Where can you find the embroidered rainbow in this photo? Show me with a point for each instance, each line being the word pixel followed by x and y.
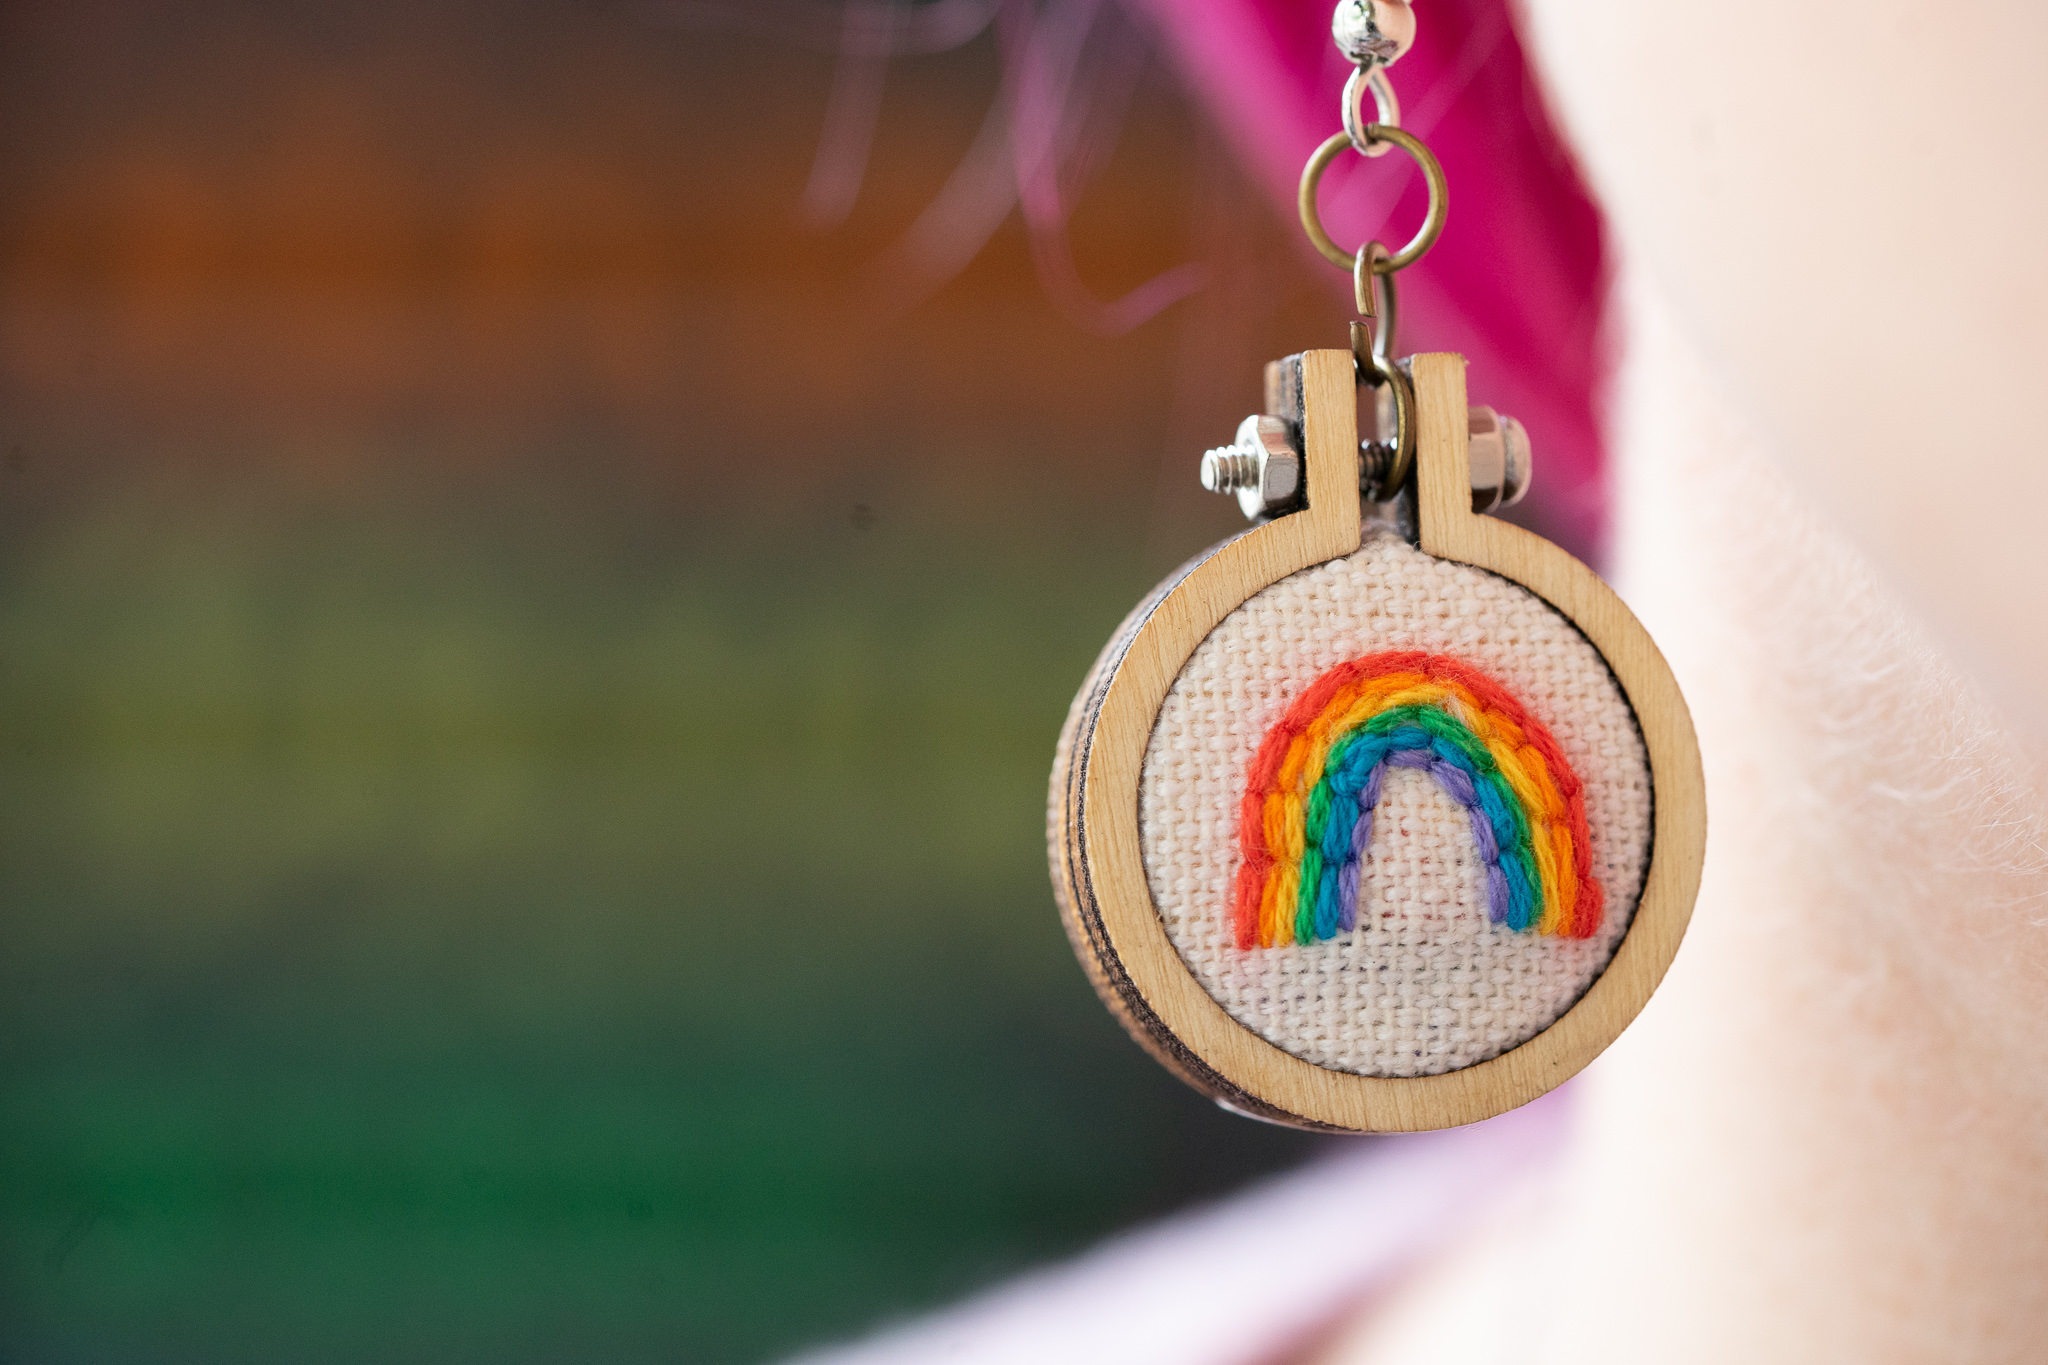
pixel 1310 790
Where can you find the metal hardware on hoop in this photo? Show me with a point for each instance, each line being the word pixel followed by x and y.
pixel 1374 34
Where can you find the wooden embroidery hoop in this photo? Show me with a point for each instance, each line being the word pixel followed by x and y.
pixel 1093 836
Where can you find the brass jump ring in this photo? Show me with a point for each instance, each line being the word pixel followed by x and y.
pixel 1432 224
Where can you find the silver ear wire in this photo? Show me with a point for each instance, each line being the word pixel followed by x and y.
pixel 1373 32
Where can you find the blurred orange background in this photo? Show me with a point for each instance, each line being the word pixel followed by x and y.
pixel 528 670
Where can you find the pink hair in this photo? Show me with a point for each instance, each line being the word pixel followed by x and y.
pixel 1517 281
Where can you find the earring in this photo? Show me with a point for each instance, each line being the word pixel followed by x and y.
pixel 1385 814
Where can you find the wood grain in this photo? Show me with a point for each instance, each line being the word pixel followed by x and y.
pixel 1099 875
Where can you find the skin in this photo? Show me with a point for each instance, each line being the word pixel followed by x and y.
pixel 1843 212
pixel 1827 1136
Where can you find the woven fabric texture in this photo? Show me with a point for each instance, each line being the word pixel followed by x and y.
pixel 1424 983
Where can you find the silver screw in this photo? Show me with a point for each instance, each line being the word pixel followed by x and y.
pixel 1498 457
pixel 1502 462
pixel 1264 470
pixel 1375 461
pixel 1227 469
pixel 1262 467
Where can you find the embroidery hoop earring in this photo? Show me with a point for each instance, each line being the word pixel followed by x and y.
pixel 1384 815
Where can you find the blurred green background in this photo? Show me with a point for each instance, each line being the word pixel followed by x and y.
pixel 527 675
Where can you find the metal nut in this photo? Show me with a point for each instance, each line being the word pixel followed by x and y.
pixel 1502 462
pixel 1262 467
pixel 1372 32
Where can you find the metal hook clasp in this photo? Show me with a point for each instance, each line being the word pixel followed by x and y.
pixel 1383 465
pixel 1372 286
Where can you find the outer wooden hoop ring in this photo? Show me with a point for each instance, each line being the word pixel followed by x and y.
pixel 1099 875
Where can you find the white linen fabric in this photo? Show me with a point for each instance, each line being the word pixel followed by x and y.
pixel 1424 984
